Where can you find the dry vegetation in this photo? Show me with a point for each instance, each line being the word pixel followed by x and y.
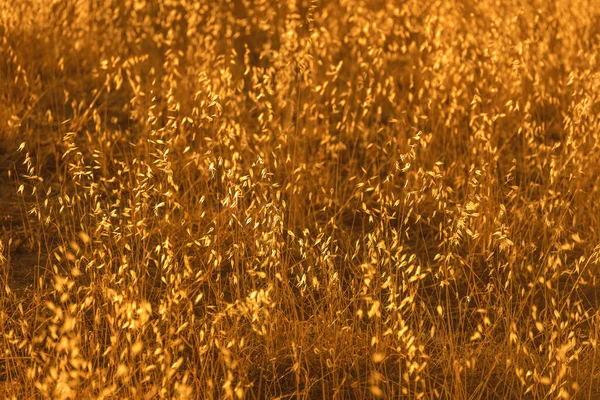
pixel 300 199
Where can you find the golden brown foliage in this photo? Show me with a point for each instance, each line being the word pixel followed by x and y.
pixel 299 199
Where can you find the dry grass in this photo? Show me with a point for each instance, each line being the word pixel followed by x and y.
pixel 300 199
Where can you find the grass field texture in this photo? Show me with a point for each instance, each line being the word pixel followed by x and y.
pixel 331 199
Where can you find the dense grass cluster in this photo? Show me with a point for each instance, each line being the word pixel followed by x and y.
pixel 330 199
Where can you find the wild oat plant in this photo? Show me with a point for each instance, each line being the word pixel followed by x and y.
pixel 332 199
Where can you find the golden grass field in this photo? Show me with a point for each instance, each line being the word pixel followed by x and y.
pixel 330 199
